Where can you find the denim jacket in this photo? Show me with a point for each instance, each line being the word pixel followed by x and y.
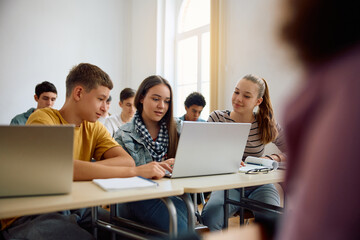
pixel 132 142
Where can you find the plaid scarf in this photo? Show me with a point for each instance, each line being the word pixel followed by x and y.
pixel 158 148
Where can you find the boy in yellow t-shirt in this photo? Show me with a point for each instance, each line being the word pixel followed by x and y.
pixel 87 89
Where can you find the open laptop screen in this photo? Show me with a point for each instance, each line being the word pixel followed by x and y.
pixel 208 148
pixel 36 160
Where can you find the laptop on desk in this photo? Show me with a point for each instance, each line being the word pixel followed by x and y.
pixel 36 160
pixel 209 148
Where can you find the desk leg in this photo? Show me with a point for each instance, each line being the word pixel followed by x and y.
pixel 190 209
pixel 113 213
pixel 242 195
pixel 94 218
pixel 172 216
pixel 226 209
pixel 196 209
pixel 194 196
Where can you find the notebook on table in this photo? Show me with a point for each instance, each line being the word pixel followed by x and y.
pixel 209 148
pixel 114 184
pixel 36 160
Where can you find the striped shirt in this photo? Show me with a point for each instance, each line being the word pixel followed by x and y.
pixel 254 146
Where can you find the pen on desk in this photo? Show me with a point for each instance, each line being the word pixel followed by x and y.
pixel 157 184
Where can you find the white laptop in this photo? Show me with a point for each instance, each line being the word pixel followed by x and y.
pixel 209 148
pixel 36 160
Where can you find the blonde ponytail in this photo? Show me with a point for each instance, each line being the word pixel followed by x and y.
pixel 265 114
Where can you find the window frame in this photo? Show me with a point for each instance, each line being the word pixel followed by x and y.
pixel 180 36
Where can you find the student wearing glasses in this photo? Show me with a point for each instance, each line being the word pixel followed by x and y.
pixel 250 92
pixel 152 136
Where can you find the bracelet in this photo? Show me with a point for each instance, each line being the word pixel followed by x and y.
pixel 277 156
pixel 267 156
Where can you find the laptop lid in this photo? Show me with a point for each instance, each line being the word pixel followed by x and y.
pixel 36 160
pixel 208 148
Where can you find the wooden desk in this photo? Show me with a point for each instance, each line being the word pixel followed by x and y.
pixel 87 194
pixel 226 181
pixel 84 194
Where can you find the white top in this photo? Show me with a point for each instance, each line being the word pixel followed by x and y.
pixel 113 123
pixel 102 119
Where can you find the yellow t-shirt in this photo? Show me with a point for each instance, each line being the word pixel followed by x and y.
pixel 91 140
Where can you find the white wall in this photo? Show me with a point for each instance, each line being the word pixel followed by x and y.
pixel 251 44
pixel 143 41
pixel 42 39
pixel 249 37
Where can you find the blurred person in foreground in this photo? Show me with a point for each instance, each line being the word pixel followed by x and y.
pixel 321 125
pixel 322 122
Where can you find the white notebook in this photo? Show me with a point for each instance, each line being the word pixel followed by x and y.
pixel 114 184
pixel 258 163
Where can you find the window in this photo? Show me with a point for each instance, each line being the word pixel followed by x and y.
pixel 192 57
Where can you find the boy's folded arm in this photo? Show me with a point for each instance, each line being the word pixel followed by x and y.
pixel 86 171
pixel 117 156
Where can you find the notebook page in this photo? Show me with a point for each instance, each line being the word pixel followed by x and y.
pixel 113 184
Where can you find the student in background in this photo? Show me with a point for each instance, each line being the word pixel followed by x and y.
pixel 194 104
pixel 126 102
pixel 87 89
pixel 106 114
pixel 152 136
pixel 45 96
pixel 250 92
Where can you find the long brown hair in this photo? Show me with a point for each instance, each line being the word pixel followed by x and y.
pixel 265 114
pixel 144 87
